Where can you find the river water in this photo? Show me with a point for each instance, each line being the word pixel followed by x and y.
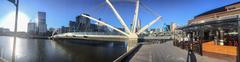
pixel 44 50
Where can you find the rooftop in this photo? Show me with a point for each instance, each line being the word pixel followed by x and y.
pixel 220 9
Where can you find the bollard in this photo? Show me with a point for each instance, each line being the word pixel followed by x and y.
pixel 1 52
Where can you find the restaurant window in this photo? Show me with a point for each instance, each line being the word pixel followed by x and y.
pixel 231 8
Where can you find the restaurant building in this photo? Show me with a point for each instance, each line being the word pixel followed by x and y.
pixel 216 31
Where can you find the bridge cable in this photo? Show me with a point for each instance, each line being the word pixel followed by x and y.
pixel 92 10
pixel 149 9
pixel 96 8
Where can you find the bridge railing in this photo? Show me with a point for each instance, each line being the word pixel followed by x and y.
pixel 90 33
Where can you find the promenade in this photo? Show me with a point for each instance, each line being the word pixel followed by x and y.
pixel 166 52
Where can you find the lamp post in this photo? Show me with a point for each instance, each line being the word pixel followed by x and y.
pixel 16 3
pixel 238 45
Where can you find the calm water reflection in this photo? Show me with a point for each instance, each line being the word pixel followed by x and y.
pixel 42 50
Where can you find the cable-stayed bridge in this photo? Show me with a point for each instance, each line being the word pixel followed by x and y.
pixel 132 33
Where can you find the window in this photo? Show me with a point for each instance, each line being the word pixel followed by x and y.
pixel 231 8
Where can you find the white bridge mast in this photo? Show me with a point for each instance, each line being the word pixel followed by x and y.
pixel 148 25
pixel 110 26
pixel 118 17
pixel 135 17
pixel 130 34
pixel 133 34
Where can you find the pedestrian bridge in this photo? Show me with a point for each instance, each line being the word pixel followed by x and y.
pixel 101 36
pixel 91 36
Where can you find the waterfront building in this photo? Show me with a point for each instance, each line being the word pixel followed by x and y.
pixel 101 27
pixel 225 12
pixel 115 32
pixel 42 26
pixel 59 30
pixel 64 29
pixel 83 23
pixel 72 26
pixel 217 22
pixel 51 29
pixel 93 28
pixel 32 28
pixel 4 30
pixel 216 31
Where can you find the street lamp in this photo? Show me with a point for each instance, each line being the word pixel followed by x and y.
pixel 16 3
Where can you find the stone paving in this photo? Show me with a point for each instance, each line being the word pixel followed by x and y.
pixel 166 52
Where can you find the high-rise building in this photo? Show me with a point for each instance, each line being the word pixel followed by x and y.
pixel 72 26
pixel 32 28
pixel 94 28
pixel 101 27
pixel 64 29
pixel 42 26
pixel 83 23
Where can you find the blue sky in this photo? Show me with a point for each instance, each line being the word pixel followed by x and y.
pixel 60 12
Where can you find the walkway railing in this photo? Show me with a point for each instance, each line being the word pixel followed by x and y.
pixel 96 33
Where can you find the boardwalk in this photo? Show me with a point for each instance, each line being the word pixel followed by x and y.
pixel 228 53
pixel 227 50
pixel 166 52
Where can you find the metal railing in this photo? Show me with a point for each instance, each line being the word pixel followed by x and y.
pixel 89 33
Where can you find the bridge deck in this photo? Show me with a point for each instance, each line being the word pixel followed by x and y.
pixel 103 37
pixel 93 37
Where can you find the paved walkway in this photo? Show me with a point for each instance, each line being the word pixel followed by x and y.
pixel 2 60
pixel 166 52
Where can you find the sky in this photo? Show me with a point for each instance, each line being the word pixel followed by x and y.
pixel 60 12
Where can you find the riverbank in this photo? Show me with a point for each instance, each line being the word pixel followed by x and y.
pixel 25 35
pixel 30 37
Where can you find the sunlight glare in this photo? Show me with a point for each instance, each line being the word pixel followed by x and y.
pixel 9 20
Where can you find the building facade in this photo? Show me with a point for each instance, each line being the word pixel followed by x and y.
pixel 4 30
pixel 64 29
pixel 83 23
pixel 32 28
pixel 219 24
pixel 102 28
pixel 225 12
pixel 72 26
pixel 216 28
pixel 42 26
